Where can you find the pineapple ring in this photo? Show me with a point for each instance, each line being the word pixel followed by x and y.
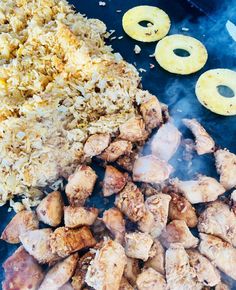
pixel 208 94
pixel 170 61
pixel 158 18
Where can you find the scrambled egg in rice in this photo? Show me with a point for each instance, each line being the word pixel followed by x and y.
pixel 59 83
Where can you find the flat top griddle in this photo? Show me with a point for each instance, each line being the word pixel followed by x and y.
pixel 205 21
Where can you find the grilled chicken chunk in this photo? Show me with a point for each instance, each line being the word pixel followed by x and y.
pixel 204 189
pixel 114 181
pixel 36 243
pixel 22 222
pixel 59 274
pixel 79 216
pixel 115 150
pixel 22 272
pixel 114 221
pixel 178 232
pixel 95 144
pixel 130 201
pixel 133 130
pixel 179 274
pixel 106 269
pixel 125 285
pixel 50 209
pixel 78 280
pixel 204 142
pixel 138 245
pixel 80 185
pixel 221 253
pixel 226 167
pixel 150 279
pixel 151 111
pixel 219 220
pixel 151 169
pixel 181 209
pixel 65 241
pixel 131 270
pixel 155 218
pixel 165 142
pixel 157 262
pixel 207 274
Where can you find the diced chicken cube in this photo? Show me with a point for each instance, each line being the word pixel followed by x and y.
pixel 114 221
pixel 138 245
pixel 178 232
pixel 79 216
pixel 78 280
pixel 36 243
pixel 96 144
pixel 204 142
pixel 151 169
pixel 50 209
pixel 65 241
pixel 181 209
pixel 22 222
pixel 80 185
pixel 114 181
pixel 157 262
pixel 106 269
pixel 59 274
pixel 226 167
pixel 221 253
pixel 155 218
pixel 204 189
pixel 131 270
pixel 133 130
pixel 179 274
pixel 165 142
pixel 207 274
pixel 151 112
pixel 115 150
pixel 218 220
pixel 22 272
pixel 150 279
pixel 130 201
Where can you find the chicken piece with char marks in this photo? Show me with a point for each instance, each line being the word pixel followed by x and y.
pixel 50 209
pixel 204 142
pixel 115 150
pixel 157 262
pixel 79 216
pixel 204 189
pixel 179 274
pixel 80 185
pixel 96 144
pixel 22 222
pixel 220 253
pixel 59 274
pixel 19 267
pixel 130 201
pixel 218 220
pixel 150 279
pixel 114 181
pixel 226 167
pixel 133 130
pixel 177 231
pixel 106 269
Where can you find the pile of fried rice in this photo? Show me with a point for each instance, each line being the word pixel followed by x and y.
pixel 59 83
